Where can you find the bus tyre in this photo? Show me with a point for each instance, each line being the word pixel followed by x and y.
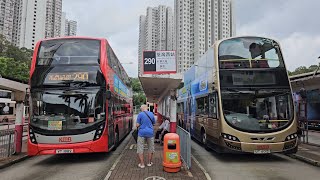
pixel 292 151
pixel 117 139
pixel 204 140
pixel 116 135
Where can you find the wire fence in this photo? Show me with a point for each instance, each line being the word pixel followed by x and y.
pixel 7 138
pixel 185 145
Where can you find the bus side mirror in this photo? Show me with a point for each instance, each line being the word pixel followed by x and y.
pixel 108 95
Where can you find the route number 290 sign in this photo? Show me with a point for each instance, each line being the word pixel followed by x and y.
pixel 159 62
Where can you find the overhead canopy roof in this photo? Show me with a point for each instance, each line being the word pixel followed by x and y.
pixel 307 81
pixel 157 86
pixel 18 88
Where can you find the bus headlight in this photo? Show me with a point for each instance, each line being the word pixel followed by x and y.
pixel 229 137
pixel 99 131
pixel 32 136
pixel 291 137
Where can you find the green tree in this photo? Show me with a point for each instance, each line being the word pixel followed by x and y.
pixel 14 62
pixel 139 97
pixel 136 85
pixel 14 69
pixel 313 67
pixel 300 70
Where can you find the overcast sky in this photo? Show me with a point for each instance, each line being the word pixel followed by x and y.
pixel 294 23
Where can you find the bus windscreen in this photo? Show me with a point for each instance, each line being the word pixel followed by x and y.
pixel 68 51
pixel 249 52
pixel 66 110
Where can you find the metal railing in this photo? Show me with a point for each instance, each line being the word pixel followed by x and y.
pixel 185 146
pixel 7 138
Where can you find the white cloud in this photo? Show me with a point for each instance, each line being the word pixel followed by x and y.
pixel 116 20
pixel 292 23
pixel 300 50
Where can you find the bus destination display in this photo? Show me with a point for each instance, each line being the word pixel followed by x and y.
pixel 72 76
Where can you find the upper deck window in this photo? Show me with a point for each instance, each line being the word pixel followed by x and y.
pixel 68 51
pixel 249 52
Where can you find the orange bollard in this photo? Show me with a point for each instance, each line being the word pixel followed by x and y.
pixel 171 153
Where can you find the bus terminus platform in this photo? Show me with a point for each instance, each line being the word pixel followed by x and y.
pixel 161 89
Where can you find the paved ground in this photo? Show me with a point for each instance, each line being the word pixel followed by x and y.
pixel 127 168
pixel 6 161
pixel 309 154
pixel 57 167
pixel 97 166
pixel 247 167
pixel 314 137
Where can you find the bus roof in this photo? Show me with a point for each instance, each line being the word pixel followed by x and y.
pixel 74 37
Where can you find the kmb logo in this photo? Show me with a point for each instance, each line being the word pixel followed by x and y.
pixel 65 139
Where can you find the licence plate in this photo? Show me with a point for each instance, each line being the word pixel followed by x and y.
pixel 264 151
pixel 64 151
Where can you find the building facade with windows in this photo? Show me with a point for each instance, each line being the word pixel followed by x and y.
pixel 156 31
pixel 63 24
pixel 33 21
pixel 6 18
pixel 198 25
pixel 53 18
pixel 10 17
pixel 71 28
pixel 24 22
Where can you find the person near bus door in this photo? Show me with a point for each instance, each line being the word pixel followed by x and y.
pixel 145 122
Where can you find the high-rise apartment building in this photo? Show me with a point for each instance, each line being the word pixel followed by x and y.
pixel 7 8
pixel 17 18
pixel 199 23
pixel 142 41
pixel 71 28
pixel 156 31
pixel 53 18
pixel 63 24
pixel 33 21
pixel 24 22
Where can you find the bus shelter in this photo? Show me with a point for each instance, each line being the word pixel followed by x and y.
pixel 18 90
pixel 306 93
pixel 161 89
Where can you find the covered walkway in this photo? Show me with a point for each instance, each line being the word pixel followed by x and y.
pixel 17 91
pixel 161 89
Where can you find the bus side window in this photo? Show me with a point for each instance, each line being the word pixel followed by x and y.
pixel 206 105
pixel 202 106
pixel 199 105
pixel 212 106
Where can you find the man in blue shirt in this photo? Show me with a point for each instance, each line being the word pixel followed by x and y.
pixel 145 122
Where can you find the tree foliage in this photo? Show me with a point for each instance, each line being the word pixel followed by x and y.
pixel 136 85
pixel 14 62
pixel 303 69
pixel 139 97
pixel 14 69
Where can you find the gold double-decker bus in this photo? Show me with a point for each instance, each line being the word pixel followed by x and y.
pixel 237 98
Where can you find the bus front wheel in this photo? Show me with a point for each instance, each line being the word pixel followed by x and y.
pixel 292 151
pixel 204 139
pixel 116 135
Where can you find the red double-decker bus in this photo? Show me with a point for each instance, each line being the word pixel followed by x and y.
pixel 80 100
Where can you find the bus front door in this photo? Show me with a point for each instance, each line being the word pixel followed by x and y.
pixel 212 122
